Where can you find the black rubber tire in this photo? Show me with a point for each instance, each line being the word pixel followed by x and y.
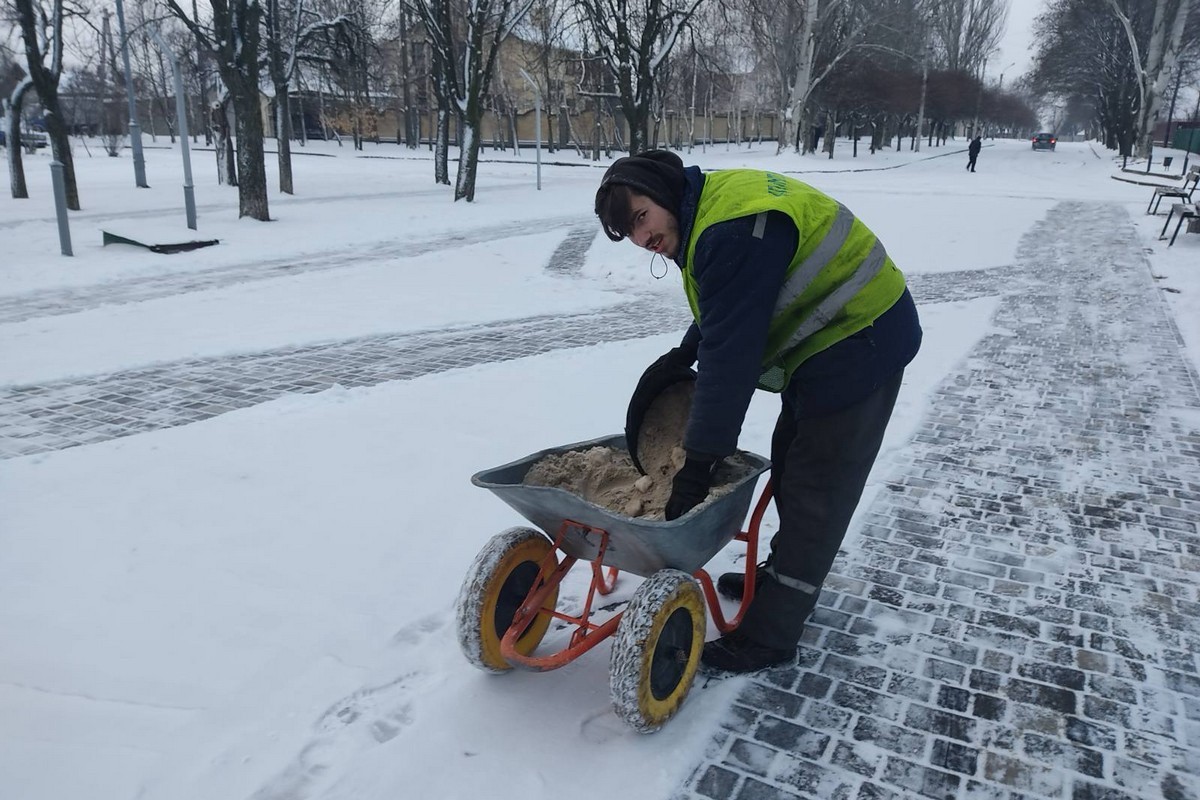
pixel 497 582
pixel 657 650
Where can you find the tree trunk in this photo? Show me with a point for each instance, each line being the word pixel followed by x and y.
pixel 252 173
pixel 45 83
pixel 278 72
pixel 921 108
pixel 468 161
pixel 16 166
pixel 283 136
pixel 441 168
pixel 238 27
pixel 222 145
pixel 799 138
pixel 798 94
pixel 1166 38
pixel 1171 108
pixel 60 146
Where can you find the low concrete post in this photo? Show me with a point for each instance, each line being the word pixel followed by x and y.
pixel 60 206
pixel 537 117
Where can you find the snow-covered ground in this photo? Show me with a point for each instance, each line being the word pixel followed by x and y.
pixel 260 604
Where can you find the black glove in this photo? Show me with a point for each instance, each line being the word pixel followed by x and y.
pixel 690 486
pixel 668 370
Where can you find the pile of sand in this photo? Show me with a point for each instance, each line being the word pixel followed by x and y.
pixel 660 437
pixel 606 477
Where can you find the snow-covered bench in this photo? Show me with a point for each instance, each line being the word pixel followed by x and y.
pixel 1183 192
pixel 1186 211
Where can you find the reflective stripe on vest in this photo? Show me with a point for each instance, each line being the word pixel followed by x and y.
pixel 803 276
pixel 828 308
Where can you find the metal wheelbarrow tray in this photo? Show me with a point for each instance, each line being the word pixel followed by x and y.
pixel 639 546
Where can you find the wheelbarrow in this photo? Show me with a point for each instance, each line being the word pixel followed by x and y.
pixel 510 593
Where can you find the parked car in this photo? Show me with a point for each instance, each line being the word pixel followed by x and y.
pixel 1044 141
pixel 28 139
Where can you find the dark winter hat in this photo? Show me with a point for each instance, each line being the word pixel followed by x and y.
pixel 657 174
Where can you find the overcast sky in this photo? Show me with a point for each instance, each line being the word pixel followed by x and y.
pixel 1016 46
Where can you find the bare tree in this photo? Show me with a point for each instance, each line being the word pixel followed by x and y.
pixel 42 34
pixel 1084 64
pixel 1154 66
pixel 968 31
pixel 151 74
pixel 634 40
pixel 1187 68
pixel 290 29
pixel 546 26
pixel 804 44
pixel 464 61
pixel 401 71
pixel 233 39
pixel 14 84
pixel 108 88
pixel 439 28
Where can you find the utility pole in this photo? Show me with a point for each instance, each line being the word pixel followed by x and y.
pixel 135 130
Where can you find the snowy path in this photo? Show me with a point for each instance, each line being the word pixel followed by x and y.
pixel 978 637
pixel 52 302
pixel 55 415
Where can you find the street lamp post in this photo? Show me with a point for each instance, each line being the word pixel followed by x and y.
pixel 135 130
pixel 979 99
pixel 537 116
pixel 189 197
pixel 1000 86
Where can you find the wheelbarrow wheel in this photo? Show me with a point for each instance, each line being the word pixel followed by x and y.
pixel 496 584
pixel 657 650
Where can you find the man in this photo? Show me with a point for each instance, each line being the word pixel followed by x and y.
pixel 973 152
pixel 792 294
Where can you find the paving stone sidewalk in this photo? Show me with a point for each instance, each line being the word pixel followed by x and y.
pixel 1018 615
pixel 1016 618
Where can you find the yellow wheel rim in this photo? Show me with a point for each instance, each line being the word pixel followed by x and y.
pixel 509 585
pixel 657 650
pixel 670 661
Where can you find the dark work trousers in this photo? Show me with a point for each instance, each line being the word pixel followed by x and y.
pixel 971 162
pixel 819 468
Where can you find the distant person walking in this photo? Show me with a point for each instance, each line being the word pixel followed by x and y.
pixel 973 152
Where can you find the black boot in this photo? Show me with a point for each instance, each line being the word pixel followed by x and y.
pixel 731 584
pixel 735 652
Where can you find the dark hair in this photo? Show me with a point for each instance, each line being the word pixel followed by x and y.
pixel 657 174
pixel 613 202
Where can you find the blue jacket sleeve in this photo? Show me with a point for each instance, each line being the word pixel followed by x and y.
pixel 738 276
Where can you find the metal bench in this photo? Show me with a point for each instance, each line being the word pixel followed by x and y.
pixel 1183 192
pixel 1186 211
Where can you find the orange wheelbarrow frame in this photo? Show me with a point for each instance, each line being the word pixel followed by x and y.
pixel 588 634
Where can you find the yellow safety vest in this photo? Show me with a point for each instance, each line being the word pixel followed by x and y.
pixel 840 278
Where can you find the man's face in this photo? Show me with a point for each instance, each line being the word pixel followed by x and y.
pixel 652 226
